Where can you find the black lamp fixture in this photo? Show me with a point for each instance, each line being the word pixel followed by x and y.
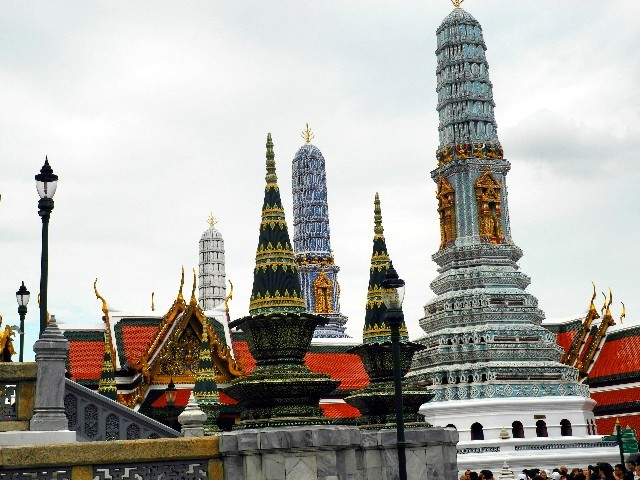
pixel 170 394
pixel 46 184
pixel 22 297
pixel 393 296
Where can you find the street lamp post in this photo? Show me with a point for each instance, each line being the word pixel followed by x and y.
pixel 46 183
pixel 22 296
pixel 392 296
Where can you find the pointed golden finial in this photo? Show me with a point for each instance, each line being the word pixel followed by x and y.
pixel 105 310
pixel 193 300
pixel 211 220
pixel 604 305
pixel 624 312
pixel 180 297
pixel 228 297
pixel 307 134
pixel 153 303
pixel 457 3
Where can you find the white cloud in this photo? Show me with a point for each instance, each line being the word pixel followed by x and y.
pixel 153 114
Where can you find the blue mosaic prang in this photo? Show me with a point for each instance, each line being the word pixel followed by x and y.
pixel 483 333
pixel 312 239
pixel 465 96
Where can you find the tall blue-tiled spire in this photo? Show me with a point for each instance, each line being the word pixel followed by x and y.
pixel 465 93
pixel 311 240
pixel 482 329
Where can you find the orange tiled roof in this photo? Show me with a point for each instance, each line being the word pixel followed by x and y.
pixel 339 410
pixel 615 397
pixel 346 367
pixel 226 399
pixel 564 339
pixel 85 359
pixel 244 357
pixel 617 357
pixel 606 426
pixel 182 398
pixel 136 339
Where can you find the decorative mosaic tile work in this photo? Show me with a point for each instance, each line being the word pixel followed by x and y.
pixel 312 244
pixel 483 333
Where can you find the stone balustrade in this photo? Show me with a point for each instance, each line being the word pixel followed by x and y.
pixel 17 395
pixel 195 458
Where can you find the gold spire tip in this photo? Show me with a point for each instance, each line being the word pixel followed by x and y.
pixel 193 289
pixel 180 297
pixel 307 134
pixel 457 3
pixel 211 220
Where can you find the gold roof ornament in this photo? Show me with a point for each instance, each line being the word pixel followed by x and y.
pixel 211 220
pixel 624 312
pixel 105 309
pixel 228 297
pixel 307 134
pixel 193 300
pixel 180 297
pixel 457 3
pixel 153 304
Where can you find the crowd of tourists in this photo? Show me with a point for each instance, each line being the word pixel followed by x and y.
pixel 601 470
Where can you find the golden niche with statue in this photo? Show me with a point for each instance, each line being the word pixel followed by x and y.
pixel 447 212
pixel 322 290
pixel 489 213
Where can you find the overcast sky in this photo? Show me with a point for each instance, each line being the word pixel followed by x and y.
pixel 155 113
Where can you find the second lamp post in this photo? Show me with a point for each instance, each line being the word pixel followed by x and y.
pixel 46 183
pixel 392 296
pixel 22 296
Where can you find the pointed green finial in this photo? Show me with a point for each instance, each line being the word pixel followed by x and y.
pixel 271 177
pixel 377 218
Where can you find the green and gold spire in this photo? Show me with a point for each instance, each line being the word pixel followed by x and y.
pixel 205 389
pixel 375 326
pixel 276 286
pixel 107 383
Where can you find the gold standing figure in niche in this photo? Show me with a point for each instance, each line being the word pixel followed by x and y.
pixel 489 213
pixel 447 212
pixel 322 290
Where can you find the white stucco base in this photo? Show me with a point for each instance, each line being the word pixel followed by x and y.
pixel 495 414
pixel 545 453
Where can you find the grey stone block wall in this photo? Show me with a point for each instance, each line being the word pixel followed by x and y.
pixel 337 453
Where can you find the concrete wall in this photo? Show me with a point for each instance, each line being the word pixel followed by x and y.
pixel 336 453
pixel 290 453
